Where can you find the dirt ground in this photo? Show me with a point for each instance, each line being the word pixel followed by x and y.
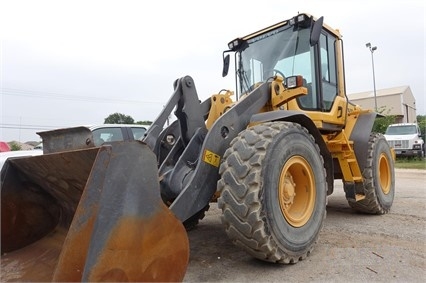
pixel 352 247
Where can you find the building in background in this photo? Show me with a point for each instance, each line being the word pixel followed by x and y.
pixel 397 101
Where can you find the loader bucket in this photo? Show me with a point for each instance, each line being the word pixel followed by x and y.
pixel 90 214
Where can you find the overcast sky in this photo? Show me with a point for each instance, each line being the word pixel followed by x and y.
pixel 68 63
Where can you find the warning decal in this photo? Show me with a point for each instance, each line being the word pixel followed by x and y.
pixel 211 158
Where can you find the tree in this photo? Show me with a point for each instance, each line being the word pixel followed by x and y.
pixel 381 123
pixel 14 146
pixel 144 122
pixel 118 118
pixel 421 121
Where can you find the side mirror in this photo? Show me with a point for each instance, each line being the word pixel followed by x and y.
pixel 316 31
pixel 225 66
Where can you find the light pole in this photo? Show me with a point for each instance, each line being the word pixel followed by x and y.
pixel 372 49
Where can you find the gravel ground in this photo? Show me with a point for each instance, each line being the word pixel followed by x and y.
pixel 353 247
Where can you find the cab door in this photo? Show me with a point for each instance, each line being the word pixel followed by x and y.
pixel 330 91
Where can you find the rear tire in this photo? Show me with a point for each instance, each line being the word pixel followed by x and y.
pixel 379 178
pixel 273 192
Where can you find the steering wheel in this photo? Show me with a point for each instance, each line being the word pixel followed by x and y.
pixel 279 73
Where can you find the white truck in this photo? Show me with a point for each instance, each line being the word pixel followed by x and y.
pixel 405 139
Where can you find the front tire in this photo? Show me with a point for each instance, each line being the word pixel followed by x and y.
pixel 379 178
pixel 273 192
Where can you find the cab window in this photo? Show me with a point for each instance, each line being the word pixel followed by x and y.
pixel 328 71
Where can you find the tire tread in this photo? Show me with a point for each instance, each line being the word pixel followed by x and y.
pixel 240 201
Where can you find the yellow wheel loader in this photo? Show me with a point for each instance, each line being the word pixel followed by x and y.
pixel 270 157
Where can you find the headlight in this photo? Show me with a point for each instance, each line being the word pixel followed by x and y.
pixel 294 81
pixel 301 20
pixel 237 44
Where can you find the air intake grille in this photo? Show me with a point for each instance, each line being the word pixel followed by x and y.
pixel 398 144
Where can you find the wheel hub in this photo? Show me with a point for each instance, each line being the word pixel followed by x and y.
pixel 384 174
pixel 296 191
pixel 289 191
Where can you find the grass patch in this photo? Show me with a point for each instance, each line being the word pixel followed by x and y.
pixel 410 163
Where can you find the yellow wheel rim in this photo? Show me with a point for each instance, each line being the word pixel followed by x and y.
pixel 384 174
pixel 296 191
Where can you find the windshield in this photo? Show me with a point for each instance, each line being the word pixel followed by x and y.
pixel 284 51
pixel 401 130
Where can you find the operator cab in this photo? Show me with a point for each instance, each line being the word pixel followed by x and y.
pixel 301 46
